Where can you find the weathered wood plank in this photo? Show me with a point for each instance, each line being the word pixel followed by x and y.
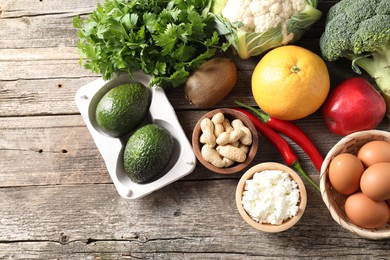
pixel 28 23
pixel 19 8
pixel 183 219
pixel 40 96
pixel 60 150
pixel 48 150
pixel 35 32
pixel 39 54
pixel 42 70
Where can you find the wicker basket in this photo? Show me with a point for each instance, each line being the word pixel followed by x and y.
pixel 335 201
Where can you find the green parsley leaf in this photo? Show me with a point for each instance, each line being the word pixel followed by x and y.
pixel 166 39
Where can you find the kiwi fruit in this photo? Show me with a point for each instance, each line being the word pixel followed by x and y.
pixel 211 82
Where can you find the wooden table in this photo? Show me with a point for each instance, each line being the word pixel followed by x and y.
pixel 57 200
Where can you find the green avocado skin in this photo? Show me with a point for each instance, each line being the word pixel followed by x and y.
pixel 123 108
pixel 148 152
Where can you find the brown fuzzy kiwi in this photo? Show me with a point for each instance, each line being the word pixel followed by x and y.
pixel 211 82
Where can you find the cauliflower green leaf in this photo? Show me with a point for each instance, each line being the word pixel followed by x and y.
pixel 256 26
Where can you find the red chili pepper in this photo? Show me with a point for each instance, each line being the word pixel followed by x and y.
pixel 293 132
pixel 283 147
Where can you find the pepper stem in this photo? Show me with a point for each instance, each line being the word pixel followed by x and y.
pixel 263 116
pixel 298 167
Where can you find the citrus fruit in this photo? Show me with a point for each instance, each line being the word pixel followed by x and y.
pixel 290 82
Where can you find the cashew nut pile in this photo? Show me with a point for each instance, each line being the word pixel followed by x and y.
pixel 224 143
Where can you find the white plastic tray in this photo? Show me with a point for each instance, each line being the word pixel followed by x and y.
pixel 161 112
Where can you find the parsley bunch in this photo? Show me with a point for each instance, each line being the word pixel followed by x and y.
pixel 167 39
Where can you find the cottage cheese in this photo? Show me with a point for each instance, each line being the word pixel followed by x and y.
pixel 271 196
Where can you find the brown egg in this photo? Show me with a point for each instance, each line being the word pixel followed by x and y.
pixel 374 152
pixel 375 181
pixel 365 212
pixel 345 171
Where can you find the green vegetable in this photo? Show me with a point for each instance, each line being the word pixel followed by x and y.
pixel 123 108
pixel 148 152
pixel 254 27
pixel 359 30
pixel 166 39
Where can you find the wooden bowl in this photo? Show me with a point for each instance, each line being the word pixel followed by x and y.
pixel 266 227
pixel 230 114
pixel 335 201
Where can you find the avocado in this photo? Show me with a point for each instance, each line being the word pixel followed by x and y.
pixel 123 108
pixel 148 152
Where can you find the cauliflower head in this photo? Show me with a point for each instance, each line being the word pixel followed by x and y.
pixel 255 26
pixel 260 15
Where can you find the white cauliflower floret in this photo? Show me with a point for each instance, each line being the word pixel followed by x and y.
pixel 239 11
pixel 256 26
pixel 262 15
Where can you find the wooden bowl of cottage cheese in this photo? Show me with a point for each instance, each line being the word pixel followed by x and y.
pixel 271 197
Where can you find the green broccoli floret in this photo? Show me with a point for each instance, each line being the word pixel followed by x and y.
pixel 360 31
pixel 357 9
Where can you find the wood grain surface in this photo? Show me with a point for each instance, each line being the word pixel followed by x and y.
pixel 57 200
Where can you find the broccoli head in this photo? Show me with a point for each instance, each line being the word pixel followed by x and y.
pixel 360 31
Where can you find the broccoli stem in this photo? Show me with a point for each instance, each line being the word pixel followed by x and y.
pixel 377 65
